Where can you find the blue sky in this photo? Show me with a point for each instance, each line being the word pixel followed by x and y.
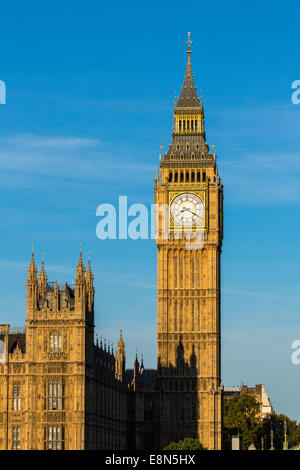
pixel 90 92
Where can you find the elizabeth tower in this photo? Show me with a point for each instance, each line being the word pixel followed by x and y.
pixel 189 197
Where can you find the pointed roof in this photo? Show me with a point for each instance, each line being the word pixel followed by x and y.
pixel 121 344
pixel 188 97
pixel 89 274
pixel 32 269
pixel 80 269
pixel 42 274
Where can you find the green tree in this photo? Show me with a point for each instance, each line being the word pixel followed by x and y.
pixel 241 415
pixel 276 423
pixel 186 444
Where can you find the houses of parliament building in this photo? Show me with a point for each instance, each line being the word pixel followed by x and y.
pixel 59 389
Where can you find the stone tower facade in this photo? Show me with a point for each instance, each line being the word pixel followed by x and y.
pixel 59 390
pixel 189 197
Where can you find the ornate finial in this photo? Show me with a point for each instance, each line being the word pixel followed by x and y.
pixel 32 249
pixel 89 262
pixel 189 43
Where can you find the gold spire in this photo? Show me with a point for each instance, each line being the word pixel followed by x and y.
pixel 189 51
pixel 89 274
pixel 80 270
pixel 32 269
pixel 121 343
pixel 188 97
pixel 42 277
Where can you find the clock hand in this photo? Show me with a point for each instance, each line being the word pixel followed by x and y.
pixel 189 210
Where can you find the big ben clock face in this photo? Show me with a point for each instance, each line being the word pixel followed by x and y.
pixel 187 210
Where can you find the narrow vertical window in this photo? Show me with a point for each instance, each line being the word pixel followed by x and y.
pixel 193 317
pixel 16 440
pixel 55 342
pixel 54 399
pixel 54 438
pixel 175 270
pixel 181 271
pixel 16 396
pixel 181 316
pixel 175 316
pixel 192 271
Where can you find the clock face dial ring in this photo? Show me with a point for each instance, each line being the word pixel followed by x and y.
pixel 187 210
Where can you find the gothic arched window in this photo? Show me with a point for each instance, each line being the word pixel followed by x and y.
pixel 55 341
pixel 54 398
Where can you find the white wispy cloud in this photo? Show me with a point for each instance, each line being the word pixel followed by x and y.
pixel 262 295
pixel 22 265
pixel 24 157
pixel 267 178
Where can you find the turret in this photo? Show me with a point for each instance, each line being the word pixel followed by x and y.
pixel 80 286
pixel 89 280
pixel 32 288
pixel 136 373
pixel 56 297
pixel 120 359
pixel 42 282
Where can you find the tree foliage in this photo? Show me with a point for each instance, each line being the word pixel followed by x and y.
pixel 241 415
pixel 186 444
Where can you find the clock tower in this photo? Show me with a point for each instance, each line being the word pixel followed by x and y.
pixel 189 232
